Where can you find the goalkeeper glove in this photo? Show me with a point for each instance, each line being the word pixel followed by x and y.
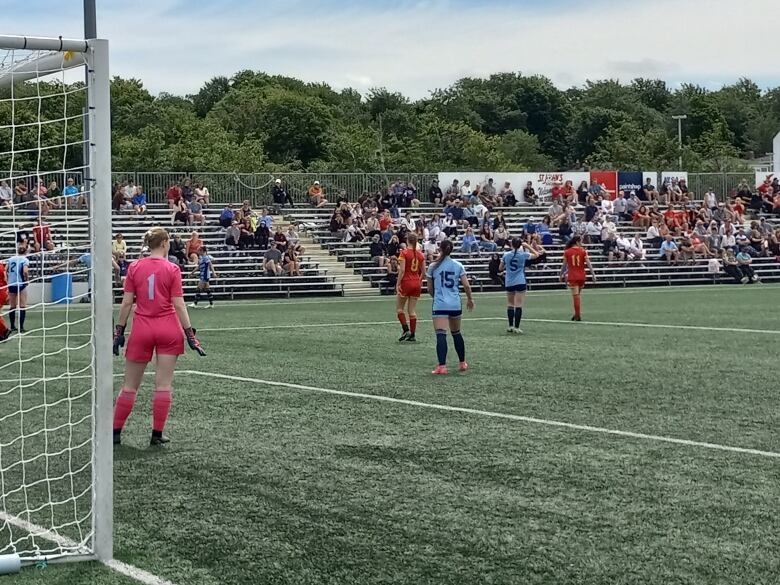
pixel 119 338
pixel 193 341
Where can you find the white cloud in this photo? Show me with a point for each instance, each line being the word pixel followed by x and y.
pixel 417 47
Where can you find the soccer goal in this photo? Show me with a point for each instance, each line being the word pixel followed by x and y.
pixel 55 234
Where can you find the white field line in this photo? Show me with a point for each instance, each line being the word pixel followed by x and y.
pixel 131 571
pixel 466 319
pixel 487 413
pixel 492 294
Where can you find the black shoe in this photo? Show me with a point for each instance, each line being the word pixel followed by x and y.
pixel 575 318
pixel 411 338
pixel 117 437
pixel 13 330
pixel 22 330
pixel 158 441
pixel 5 335
pixel 404 337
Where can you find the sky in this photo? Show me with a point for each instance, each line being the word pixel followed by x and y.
pixel 418 46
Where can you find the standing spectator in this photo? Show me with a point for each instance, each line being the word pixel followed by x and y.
pixel 6 194
pixel 173 195
pixel 317 195
pixel 272 261
pixel 435 195
pixel 202 194
pixel 280 195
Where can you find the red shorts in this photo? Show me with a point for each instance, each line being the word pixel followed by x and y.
pixel 3 298
pixel 162 335
pixel 410 290
pixel 576 283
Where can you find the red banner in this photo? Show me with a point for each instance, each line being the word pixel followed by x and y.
pixel 606 178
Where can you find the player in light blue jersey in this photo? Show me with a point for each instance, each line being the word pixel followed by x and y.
pixel 514 263
pixel 206 274
pixel 445 276
pixel 18 274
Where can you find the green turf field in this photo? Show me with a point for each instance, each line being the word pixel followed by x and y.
pixel 269 483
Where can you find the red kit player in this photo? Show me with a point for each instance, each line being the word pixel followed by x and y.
pixel 4 331
pixel 411 267
pixel 154 285
pixel 575 260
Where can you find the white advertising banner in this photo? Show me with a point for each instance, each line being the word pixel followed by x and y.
pixel 762 176
pixel 653 176
pixel 542 182
pixel 668 176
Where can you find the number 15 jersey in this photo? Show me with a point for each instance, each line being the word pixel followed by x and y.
pixel 446 284
pixel 155 282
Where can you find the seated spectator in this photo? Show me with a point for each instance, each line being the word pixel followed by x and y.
pixel 486 241
pixel 773 244
pixel 731 266
pixel 502 236
pixel 609 247
pixel 139 201
pixel 317 195
pixel 180 213
pixel 245 210
pixel 744 260
pixel 272 261
pixel 466 190
pixel 710 199
pixel 508 195
pixel 187 191
pixel 291 262
pixel 42 239
pixel 280 239
pixel 73 195
pixel 21 194
pixel 529 194
pixel 738 208
pixel 227 216
pixel 393 247
pixel 409 196
pixel 636 249
pixel 6 194
pixel 377 251
pixel 293 239
pixel 173 195
pixel 653 234
pixel 595 190
pixel 450 226
pixel 202 194
pixel 565 230
pixel 641 217
pixel 232 236
pixel 435 195
pixel 469 243
pixel 246 239
pixel 280 195
pixel 593 231
pixel 453 191
pixel 582 193
pixel 195 209
pixel 39 199
pixel 431 250
pixel 591 209
pixel 669 250
pixel 54 194
pixel 391 278
pixel 387 234
pixel 494 270
pixel 178 250
pixel 119 248
pixel 194 244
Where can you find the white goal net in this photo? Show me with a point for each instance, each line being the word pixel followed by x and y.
pixel 55 368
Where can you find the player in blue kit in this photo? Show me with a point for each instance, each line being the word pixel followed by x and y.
pixel 445 276
pixel 206 274
pixel 514 263
pixel 18 274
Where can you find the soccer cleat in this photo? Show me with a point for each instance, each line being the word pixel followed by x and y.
pixel 510 329
pixel 193 305
pixel 158 441
pixel 22 330
pixel 117 437
pixel 13 330
pixel 576 318
pixel 5 335
pixel 440 371
pixel 463 366
pixel 518 331
pixel 411 338
pixel 745 280
pixel 404 336
pixel 209 306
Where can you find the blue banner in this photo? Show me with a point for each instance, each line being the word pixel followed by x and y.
pixel 628 182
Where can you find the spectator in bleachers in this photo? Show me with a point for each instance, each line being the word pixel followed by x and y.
pixel 202 194
pixel 468 214
pixel 435 194
pixel 180 213
pixel 593 231
pixel 393 247
pixel 486 239
pixel 608 207
pixel 731 266
pixel 352 233
pixel 128 190
pixel 610 248
pixel 280 195
pixel 195 209
pixel 466 190
pixel 495 273
pixel 450 226
pixel 582 193
pixel 591 208
pixel 431 250
pixel 653 235
pixel 641 218
pixel 555 212
pixel 507 195
pixel 244 211
pixel 194 244
pixel 469 243
pixel 178 250
pixel 41 239
pixel 391 277
pixel 757 240
pixel 54 194
pixel 453 191
pixel 569 193
pixel 377 250
pixel 272 261
pixel 595 189
pixel 291 262
pixel 40 200
pixel 636 249
pixel 173 195
pixel 317 195
pixel 139 201
pixel 436 228
pixel 6 194
pixel 187 192
pixel 502 236
pixel 73 196
pixel 232 235
pixel 280 239
pixel 227 216
pixel 669 250
pixel 21 195
pixel 745 260
pixel 246 239
pixel 409 195
pixel 773 244
pixel 565 229
pixel 619 208
pixel 119 248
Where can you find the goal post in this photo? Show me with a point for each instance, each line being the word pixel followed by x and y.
pixel 56 379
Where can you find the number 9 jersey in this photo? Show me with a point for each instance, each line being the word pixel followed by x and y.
pixel 446 277
pixel 155 282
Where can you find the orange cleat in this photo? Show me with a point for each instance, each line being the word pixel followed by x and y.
pixel 440 371
pixel 463 366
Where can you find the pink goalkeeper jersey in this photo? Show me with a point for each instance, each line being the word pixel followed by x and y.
pixel 155 282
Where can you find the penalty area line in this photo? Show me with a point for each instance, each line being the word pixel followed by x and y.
pixel 491 414
pixel 115 565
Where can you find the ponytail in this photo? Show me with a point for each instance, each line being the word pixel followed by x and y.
pixel 444 252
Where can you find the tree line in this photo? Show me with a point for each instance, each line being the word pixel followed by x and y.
pixel 253 122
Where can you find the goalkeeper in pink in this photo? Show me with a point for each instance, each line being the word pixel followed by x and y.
pixel 153 284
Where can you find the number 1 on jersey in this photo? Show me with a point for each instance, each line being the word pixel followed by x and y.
pixel 150 282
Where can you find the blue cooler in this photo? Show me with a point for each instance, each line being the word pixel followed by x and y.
pixel 62 288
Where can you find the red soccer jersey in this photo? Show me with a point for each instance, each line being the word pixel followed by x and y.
pixel 3 284
pixel 155 282
pixel 575 259
pixel 413 261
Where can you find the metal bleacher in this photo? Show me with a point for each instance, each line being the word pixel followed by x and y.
pixel 651 272
pixel 239 270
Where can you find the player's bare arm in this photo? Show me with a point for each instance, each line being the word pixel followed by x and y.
pixel 464 280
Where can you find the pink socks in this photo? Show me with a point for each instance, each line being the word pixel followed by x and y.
pixel 124 406
pixel 161 406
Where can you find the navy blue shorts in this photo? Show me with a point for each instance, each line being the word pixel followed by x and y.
pixel 15 289
pixel 451 313
pixel 517 288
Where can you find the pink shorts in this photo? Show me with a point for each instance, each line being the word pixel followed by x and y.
pixel 162 335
